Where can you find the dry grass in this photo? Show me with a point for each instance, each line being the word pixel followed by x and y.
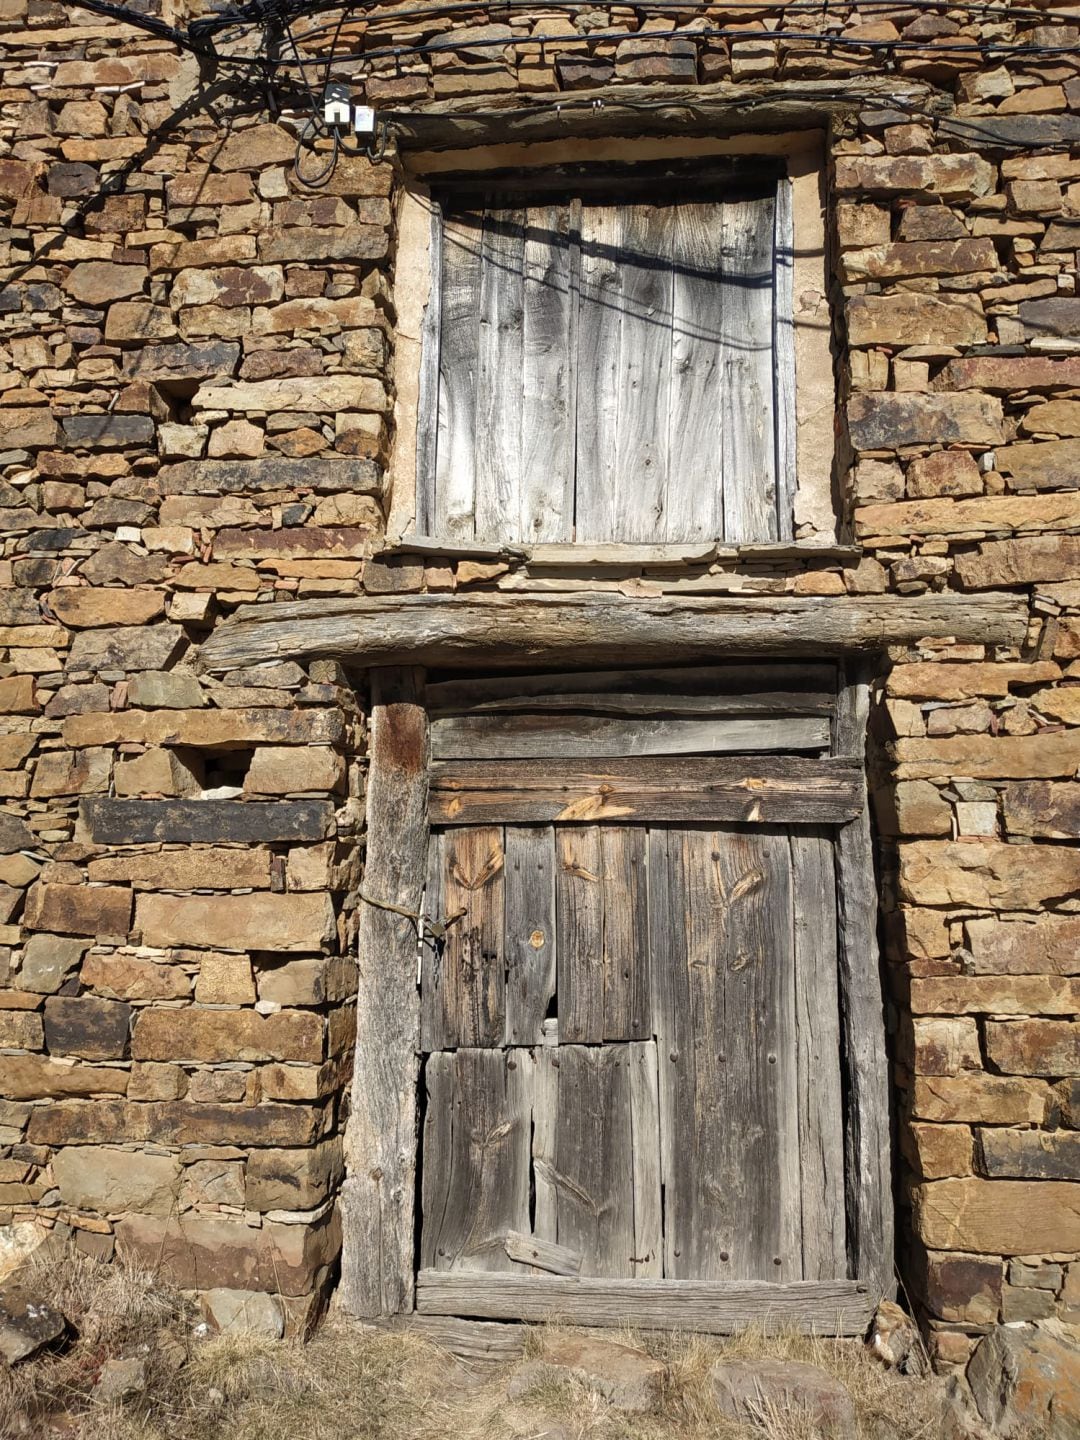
pixel 352 1383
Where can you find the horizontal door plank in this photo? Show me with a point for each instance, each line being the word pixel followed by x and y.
pixel 831 1307
pixel 764 702
pixel 670 683
pixel 586 628
pixel 770 790
pixel 542 1254
pixel 531 736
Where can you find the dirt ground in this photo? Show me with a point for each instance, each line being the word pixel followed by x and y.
pixel 353 1383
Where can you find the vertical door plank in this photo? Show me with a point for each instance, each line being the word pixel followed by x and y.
pixel 545 1112
pixel 641 454
pixel 648 1259
pixel 602 947
pixel 784 360
pixel 624 897
pixel 695 510
pixel 499 376
pixel 593 1157
pixel 821 1117
pixel 867 1141
pixel 427 399
pixel 548 383
pixel 380 1138
pixel 530 941
pixel 465 994
pixel 720 909
pixel 597 375
pixel 455 456
pixel 476 1158
pixel 749 466
pixel 579 948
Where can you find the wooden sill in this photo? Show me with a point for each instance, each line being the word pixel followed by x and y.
pixel 623 556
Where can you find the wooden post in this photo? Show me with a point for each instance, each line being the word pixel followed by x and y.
pixel 868 1147
pixel 377 1197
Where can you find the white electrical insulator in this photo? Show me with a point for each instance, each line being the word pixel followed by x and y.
pixel 337 105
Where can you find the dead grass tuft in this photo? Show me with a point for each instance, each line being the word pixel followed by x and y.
pixel 356 1383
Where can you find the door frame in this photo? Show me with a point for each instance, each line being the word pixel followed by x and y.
pixel 378 1196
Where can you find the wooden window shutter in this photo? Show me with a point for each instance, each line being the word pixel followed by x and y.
pixel 610 364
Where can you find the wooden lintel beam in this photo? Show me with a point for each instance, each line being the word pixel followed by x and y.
pixel 589 628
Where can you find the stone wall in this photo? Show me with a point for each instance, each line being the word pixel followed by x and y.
pixel 195 402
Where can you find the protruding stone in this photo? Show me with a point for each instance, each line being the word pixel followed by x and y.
pixel 744 1390
pixel 93 1177
pixel 1027 1382
pixel 27 1323
pixel 244 1312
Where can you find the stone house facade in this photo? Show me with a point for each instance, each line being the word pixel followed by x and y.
pixel 208 398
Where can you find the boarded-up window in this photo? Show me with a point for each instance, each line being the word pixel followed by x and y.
pixel 609 358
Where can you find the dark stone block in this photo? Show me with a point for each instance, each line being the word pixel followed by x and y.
pixel 70 179
pixel 59 539
pixel 1058 315
pixel 325 476
pixel 108 432
pixel 85 1026
pixel 143 822
pixel 19 607
pixel 1012 132
pixel 182 362
pixel 15 834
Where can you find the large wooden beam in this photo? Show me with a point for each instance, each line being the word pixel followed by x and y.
pixel 596 628
pixel 380 1138
pixel 823 1307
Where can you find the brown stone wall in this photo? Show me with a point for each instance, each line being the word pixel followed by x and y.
pixel 195 403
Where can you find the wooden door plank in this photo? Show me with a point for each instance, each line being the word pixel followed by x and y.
pixel 579 909
pixel 749 419
pixel 465 994
pixel 532 735
pixel 644 375
pixel 601 899
pixel 720 908
pixel 695 509
pixel 593 1156
pixel 499 376
pixel 625 946
pixel 784 360
pixel 380 1136
pixel 548 415
pixel 545 1110
pixel 476 1158
pixel 529 945
pixel 766 703
pixel 821 1115
pixel 691 682
pixel 766 790
pixel 648 1260
pixel 427 399
pixel 867 1140
pixel 597 375
pixel 839 1307
pixel 455 454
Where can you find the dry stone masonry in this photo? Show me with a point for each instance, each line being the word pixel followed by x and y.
pixel 196 391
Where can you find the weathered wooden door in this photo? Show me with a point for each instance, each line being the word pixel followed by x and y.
pixel 631 1031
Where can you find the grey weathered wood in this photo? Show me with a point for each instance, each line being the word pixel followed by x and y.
pixel 790 689
pixel 529 944
pixel 820 1100
pixel 465 988
pixel 549 382
pixel 694 509
pixel 498 437
pixel 591 1197
pixel 720 910
pixel 597 377
pixel 748 403
pixel 588 628
pixel 648 1258
pixel 839 1307
pixel 476 1158
pixel 542 1254
pixel 768 790
pixel 525 735
pixel 454 503
pixel 484 1342
pixel 767 703
pixel 603 981
pixel 142 822
pixel 784 359
pixel 427 398
pixel 644 376
pixel 380 1137
pixel 868 1149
